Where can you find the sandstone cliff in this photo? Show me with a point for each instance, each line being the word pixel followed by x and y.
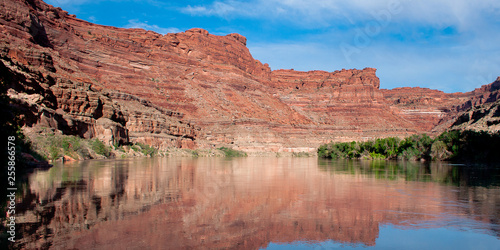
pixel 435 111
pixel 193 89
pixel 54 91
pixel 484 117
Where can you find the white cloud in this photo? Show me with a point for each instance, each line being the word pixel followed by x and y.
pixel 461 68
pixel 196 10
pixel 464 14
pixel 216 9
pixel 134 23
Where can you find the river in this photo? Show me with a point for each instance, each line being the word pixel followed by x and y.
pixel 259 203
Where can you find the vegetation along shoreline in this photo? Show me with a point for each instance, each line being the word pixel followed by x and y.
pixel 458 146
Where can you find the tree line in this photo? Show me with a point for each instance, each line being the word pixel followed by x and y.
pixel 470 146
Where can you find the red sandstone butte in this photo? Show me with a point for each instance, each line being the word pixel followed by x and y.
pixel 194 89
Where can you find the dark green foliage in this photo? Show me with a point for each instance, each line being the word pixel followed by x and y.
pixel 474 146
pixel 454 145
pixel 439 151
pixel 300 154
pixel 229 152
pixel 146 149
pixel 415 147
pixel 53 146
pixel 195 153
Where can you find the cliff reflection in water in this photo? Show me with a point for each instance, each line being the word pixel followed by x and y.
pixel 249 202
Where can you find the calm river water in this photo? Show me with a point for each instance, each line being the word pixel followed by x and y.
pixel 260 203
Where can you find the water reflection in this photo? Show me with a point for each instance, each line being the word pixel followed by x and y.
pixel 442 172
pixel 250 203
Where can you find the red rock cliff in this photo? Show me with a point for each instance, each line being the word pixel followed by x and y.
pixel 190 89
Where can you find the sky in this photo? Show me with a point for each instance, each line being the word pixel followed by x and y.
pixel 450 45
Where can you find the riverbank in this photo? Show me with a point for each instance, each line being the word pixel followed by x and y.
pixel 462 146
pixel 52 147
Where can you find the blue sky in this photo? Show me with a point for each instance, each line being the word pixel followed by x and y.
pixel 450 45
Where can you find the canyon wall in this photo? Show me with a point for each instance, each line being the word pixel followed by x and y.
pixel 194 89
pixel 56 89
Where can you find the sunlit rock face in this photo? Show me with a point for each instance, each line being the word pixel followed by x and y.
pixel 194 89
pixel 435 111
pixel 244 203
pixel 60 74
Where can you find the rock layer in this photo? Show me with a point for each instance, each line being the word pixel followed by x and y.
pixel 194 89
pixel 54 91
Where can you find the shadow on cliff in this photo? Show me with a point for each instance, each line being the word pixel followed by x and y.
pixel 38 33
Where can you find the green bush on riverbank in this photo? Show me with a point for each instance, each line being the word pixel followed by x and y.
pixel 229 152
pixel 54 146
pixel 452 145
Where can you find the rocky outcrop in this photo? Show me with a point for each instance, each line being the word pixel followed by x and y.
pixel 485 117
pixel 444 110
pixel 110 132
pixel 424 107
pixel 486 94
pixel 319 79
pixel 481 112
pixel 53 91
pixel 348 104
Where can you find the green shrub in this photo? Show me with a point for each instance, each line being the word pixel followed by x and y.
pixel 146 149
pixel 195 153
pixel 135 148
pixel 229 152
pixel 99 147
pixel 84 153
pixel 439 151
pixel 54 152
pixel 301 154
pixel 377 156
pixel 323 151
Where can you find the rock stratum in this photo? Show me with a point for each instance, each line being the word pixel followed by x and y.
pixel 197 90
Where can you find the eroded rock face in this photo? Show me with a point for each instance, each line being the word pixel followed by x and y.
pixel 53 86
pixel 320 79
pixel 110 132
pixel 195 89
pixel 422 106
pixel 489 93
pixel 480 118
pixel 444 110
